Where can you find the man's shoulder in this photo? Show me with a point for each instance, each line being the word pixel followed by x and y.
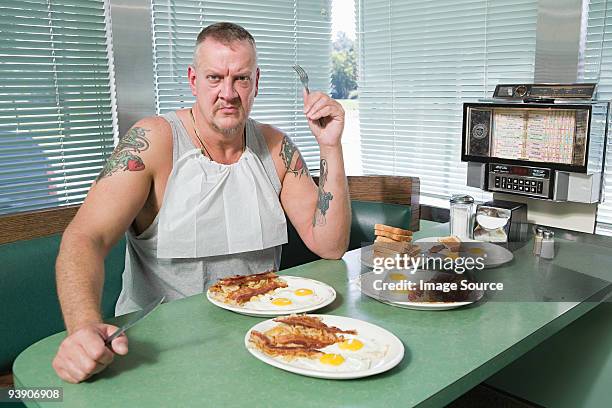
pixel 155 130
pixel 154 125
pixel 272 135
pixel 151 139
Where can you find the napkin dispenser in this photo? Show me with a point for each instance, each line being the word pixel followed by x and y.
pixel 501 221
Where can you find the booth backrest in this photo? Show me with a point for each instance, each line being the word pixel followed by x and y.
pixel 29 309
pixel 391 200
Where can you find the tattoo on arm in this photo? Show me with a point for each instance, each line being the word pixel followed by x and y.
pixel 287 153
pixel 324 197
pixel 125 157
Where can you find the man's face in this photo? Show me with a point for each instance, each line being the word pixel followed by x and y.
pixel 225 82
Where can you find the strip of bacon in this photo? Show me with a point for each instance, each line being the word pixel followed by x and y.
pixel 265 344
pixel 305 341
pixel 243 295
pixel 312 322
pixel 242 279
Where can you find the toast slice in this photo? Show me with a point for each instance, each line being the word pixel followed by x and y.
pixel 394 237
pixel 451 242
pixel 392 230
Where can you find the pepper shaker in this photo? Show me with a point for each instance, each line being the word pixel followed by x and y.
pixel 548 245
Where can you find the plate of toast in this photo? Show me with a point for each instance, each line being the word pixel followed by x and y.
pixel 324 346
pixel 389 242
pixel 267 294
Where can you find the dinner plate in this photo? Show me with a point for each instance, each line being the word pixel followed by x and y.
pixel 398 298
pixel 382 351
pixel 493 255
pixel 322 295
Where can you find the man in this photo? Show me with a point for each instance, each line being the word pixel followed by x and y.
pixel 200 193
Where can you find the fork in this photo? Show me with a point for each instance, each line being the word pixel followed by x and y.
pixel 304 80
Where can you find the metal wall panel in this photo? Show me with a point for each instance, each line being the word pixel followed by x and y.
pixel 558 36
pixel 133 60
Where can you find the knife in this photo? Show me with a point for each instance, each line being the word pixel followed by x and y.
pixel 138 316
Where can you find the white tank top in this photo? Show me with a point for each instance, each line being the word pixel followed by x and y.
pixel 147 276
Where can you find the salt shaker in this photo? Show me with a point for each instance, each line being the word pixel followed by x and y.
pixel 537 240
pixel 548 245
pixel 461 215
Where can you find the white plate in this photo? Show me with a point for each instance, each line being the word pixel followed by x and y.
pixel 365 283
pixel 261 307
pixel 494 255
pixel 367 256
pixel 369 333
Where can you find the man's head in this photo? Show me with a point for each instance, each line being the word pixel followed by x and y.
pixel 224 76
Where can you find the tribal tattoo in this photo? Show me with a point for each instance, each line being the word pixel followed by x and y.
pixel 324 197
pixel 287 153
pixel 125 156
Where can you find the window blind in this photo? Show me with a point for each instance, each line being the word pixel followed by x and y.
pixel 597 67
pixel 418 62
pixel 286 33
pixel 56 106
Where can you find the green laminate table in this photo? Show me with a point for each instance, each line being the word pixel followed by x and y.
pixel 191 353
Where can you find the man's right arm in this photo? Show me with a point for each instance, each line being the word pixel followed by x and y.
pixel 115 199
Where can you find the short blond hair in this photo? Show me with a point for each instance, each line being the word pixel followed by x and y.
pixel 225 33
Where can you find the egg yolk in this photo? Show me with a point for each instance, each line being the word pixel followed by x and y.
pixel 332 359
pixel 281 302
pixel 303 292
pixel 397 276
pixel 352 345
pixel 476 251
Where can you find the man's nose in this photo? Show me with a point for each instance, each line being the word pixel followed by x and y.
pixel 228 92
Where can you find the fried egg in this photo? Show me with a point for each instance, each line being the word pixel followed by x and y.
pixel 281 301
pixel 351 344
pixel 476 251
pixel 352 354
pixel 452 255
pixel 332 359
pixel 285 298
pixel 397 276
pixel 333 362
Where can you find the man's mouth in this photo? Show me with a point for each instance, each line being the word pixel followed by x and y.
pixel 228 109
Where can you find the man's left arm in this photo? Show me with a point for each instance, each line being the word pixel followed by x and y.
pixel 320 214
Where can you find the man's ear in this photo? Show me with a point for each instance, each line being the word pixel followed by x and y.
pixel 191 77
pixel 257 81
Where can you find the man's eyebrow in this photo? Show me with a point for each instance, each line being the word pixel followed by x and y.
pixel 217 73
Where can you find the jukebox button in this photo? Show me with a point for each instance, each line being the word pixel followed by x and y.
pixel 533 183
pixel 532 189
pixel 503 180
pixel 540 187
pixel 515 181
pixel 521 181
pixel 520 188
pixel 515 187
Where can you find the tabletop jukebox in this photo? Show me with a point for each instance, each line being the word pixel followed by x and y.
pixel 544 141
